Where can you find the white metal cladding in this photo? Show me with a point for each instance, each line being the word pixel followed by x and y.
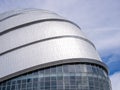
pixel 37 32
pixel 25 18
pixel 41 52
pixel 44 52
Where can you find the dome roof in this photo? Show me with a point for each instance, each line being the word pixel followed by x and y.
pixel 33 37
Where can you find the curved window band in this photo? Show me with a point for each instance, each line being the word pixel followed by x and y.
pixel 93 62
pixel 46 39
pixel 61 77
pixel 72 76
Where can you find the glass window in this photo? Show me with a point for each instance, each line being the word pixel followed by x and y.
pixel 59 69
pixel 71 68
pixel 63 77
pixel 47 71
pixel 77 68
pixel 53 70
pixel 65 68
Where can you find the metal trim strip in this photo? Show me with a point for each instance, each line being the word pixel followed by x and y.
pixel 34 22
pixel 46 39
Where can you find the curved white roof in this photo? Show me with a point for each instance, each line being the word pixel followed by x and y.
pixel 33 37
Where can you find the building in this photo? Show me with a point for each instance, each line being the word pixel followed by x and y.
pixel 40 50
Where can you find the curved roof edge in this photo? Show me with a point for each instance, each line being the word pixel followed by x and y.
pixel 18 11
pixel 55 63
pixel 34 22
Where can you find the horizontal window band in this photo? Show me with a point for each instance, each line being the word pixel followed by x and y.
pixel 57 63
pixel 46 39
pixel 35 22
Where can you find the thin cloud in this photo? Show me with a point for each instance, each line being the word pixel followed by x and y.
pixel 115 81
pixel 105 38
pixel 112 60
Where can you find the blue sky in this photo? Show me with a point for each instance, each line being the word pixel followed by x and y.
pixel 99 19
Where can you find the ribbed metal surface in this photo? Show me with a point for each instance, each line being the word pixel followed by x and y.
pixel 41 42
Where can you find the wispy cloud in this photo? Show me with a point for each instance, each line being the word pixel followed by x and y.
pixel 107 38
pixel 112 59
pixel 107 41
pixel 115 80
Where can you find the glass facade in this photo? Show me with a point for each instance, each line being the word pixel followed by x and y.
pixel 62 77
